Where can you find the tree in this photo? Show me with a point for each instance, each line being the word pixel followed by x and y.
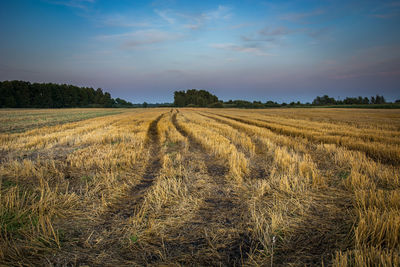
pixel 216 105
pixel 195 97
pixel 324 100
pixel 380 99
pixel 48 95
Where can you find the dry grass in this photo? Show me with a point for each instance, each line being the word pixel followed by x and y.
pixel 17 120
pixel 200 187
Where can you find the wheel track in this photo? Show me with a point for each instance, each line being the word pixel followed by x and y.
pixel 309 245
pixel 109 232
pixel 220 214
pixel 257 170
pixel 212 169
pixel 137 192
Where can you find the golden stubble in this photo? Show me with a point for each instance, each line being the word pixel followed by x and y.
pixel 331 169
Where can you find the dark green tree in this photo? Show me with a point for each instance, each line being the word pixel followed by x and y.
pixel 194 97
pixel 20 94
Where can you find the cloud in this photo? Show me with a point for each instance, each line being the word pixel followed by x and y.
pixel 268 34
pixel 317 33
pixel 377 67
pixel 165 15
pixel 142 37
pixel 394 4
pixel 276 31
pixel 176 72
pixel 257 39
pixel 301 16
pixel 81 4
pixel 386 11
pixel 240 48
pixel 238 26
pixel 222 12
pixel 195 21
pixel 117 20
pixel 192 26
pixel 385 16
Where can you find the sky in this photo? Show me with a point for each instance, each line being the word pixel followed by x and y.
pixel 253 50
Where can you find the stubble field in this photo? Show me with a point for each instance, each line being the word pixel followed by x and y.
pixel 200 187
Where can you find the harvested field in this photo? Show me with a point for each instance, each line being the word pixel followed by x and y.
pixel 200 187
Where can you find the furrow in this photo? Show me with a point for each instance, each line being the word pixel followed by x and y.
pixel 385 156
pixel 325 220
pixel 218 227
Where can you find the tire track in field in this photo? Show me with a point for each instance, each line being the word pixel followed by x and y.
pixel 257 162
pixel 101 243
pixel 214 237
pixel 326 226
pixel 137 192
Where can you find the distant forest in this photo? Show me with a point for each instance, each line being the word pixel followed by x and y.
pixel 202 98
pixel 20 94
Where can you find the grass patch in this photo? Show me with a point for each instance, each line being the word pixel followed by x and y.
pixel 16 120
pixel 13 222
pixel 133 238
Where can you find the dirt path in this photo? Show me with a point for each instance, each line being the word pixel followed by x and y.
pixel 216 235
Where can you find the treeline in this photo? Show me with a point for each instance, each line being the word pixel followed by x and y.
pixel 21 94
pixel 195 98
pixel 326 100
pixel 202 98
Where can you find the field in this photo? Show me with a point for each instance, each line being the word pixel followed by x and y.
pixel 202 187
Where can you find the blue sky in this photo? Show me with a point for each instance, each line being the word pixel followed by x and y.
pixel 253 50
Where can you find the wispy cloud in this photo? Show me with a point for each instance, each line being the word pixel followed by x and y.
pixel 222 12
pixel 81 4
pixel 394 4
pixel 141 38
pixel 148 37
pixel 279 31
pixel 165 15
pixel 317 33
pixel 238 26
pixel 195 21
pixel 385 16
pixel 240 48
pixel 118 20
pixel 386 11
pixel 192 26
pixel 385 62
pixel 268 34
pixel 302 16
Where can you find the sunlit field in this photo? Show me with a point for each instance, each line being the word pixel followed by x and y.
pixel 200 187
